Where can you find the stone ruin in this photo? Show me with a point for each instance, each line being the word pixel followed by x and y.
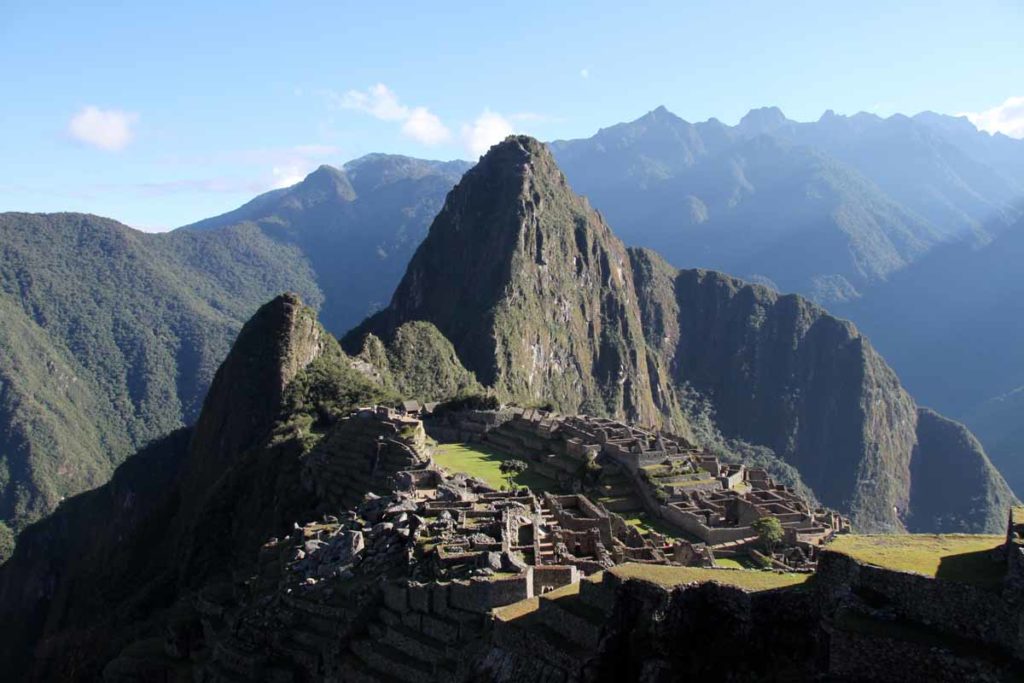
pixel 434 577
pixel 637 471
pixel 416 565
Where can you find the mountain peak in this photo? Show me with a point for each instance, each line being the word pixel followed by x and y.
pixel 530 286
pixel 280 339
pixel 326 182
pixel 762 120
pixel 513 146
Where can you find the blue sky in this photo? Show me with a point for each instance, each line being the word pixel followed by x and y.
pixel 159 114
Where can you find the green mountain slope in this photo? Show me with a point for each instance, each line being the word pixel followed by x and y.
pixel 183 512
pixel 112 337
pixel 357 226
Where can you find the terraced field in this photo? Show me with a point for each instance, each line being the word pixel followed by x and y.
pixel 671 576
pixel 484 463
pixel 955 557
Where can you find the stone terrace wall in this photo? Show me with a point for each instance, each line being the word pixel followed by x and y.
pixel 958 609
pixel 692 524
pixel 466 425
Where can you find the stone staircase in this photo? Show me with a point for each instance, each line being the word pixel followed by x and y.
pixel 416 637
pixel 562 629
pixel 617 492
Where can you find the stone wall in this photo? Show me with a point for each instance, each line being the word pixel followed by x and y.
pixel 549 577
pixel 962 610
pixel 466 425
pixel 693 524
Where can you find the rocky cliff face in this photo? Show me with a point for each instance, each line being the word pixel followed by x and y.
pixel 783 373
pixel 183 513
pixel 246 394
pixel 953 484
pixel 544 303
pixel 531 287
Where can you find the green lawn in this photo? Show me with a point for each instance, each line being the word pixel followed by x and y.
pixel 483 462
pixel 729 563
pixel 645 523
pixel 956 557
pixel 671 576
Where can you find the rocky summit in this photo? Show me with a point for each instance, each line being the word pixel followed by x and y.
pixel 546 306
pixel 532 289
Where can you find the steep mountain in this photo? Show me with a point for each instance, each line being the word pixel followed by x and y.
pixel 531 288
pixel 357 226
pixel 184 512
pixel 826 208
pixel 544 304
pixel 111 339
pixel 951 325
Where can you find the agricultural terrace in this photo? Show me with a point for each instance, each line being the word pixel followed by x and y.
pixel 670 576
pixel 966 558
pixel 484 463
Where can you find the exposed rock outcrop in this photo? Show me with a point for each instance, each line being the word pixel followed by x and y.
pixel 182 514
pixel 531 287
pixel 953 484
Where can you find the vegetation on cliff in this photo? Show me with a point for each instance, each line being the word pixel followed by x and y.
pixel 186 511
pixel 420 364
pixel 111 339
pixel 531 288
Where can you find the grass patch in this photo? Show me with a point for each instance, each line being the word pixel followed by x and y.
pixel 955 557
pixel 646 524
pixel 484 463
pixel 517 610
pixel 670 576
pixel 730 563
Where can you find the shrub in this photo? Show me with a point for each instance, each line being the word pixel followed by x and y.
pixel 769 531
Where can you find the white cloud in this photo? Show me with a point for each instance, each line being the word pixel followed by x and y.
pixel 106 129
pixel 1007 118
pixel 488 129
pixel 584 72
pixel 529 116
pixel 380 102
pixel 286 176
pixel 425 127
pixel 278 167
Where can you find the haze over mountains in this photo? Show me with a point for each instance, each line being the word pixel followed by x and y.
pixel 842 210
pixel 885 221
pixel 521 281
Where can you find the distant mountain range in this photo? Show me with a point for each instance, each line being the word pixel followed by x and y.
pixel 826 209
pixel 113 335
